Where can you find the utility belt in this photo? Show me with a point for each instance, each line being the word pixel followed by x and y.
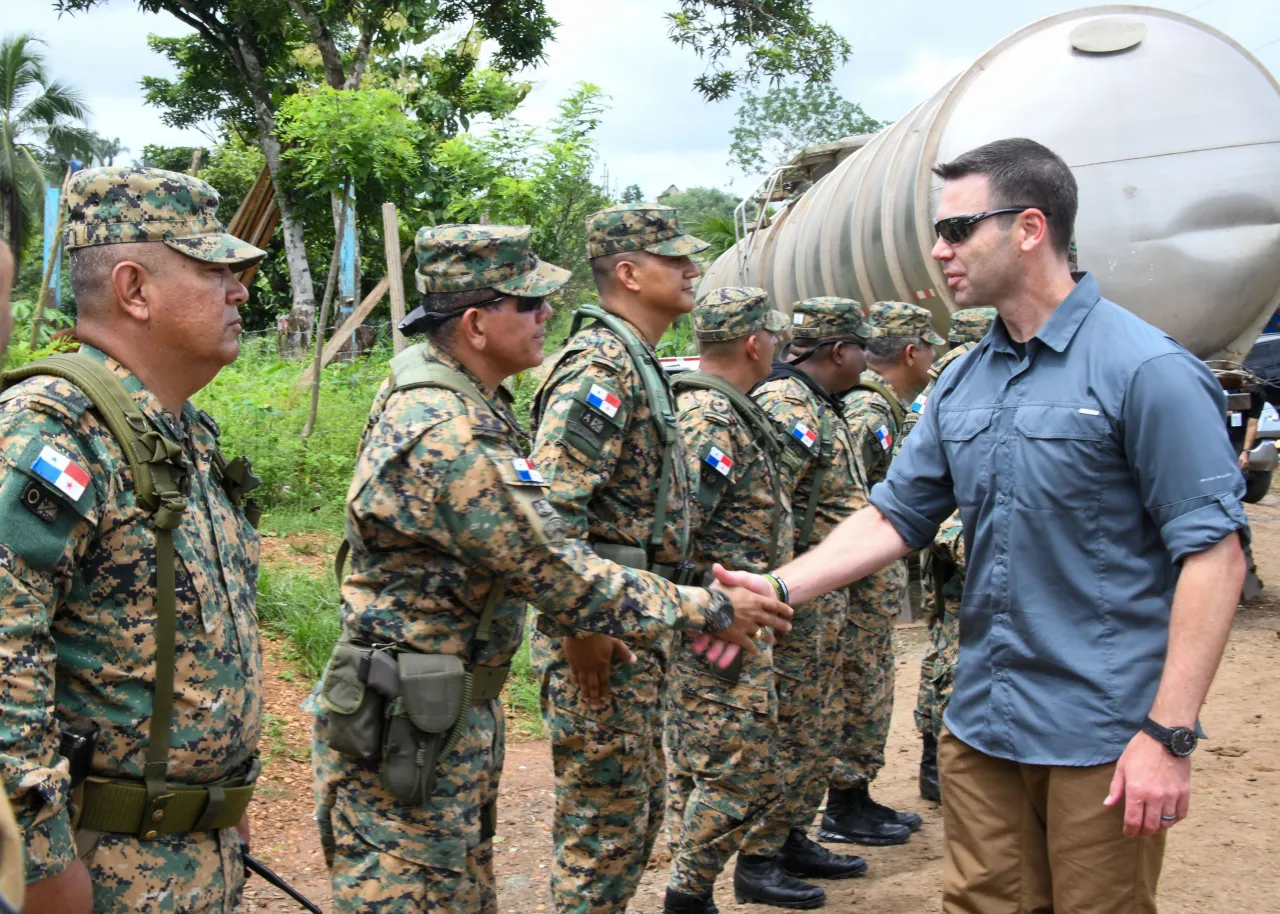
pixel 404 708
pixel 638 557
pixel 124 806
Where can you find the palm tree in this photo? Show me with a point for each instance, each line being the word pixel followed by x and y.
pixel 105 150
pixel 37 115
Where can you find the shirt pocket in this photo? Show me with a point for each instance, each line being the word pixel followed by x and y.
pixel 1064 459
pixel 966 440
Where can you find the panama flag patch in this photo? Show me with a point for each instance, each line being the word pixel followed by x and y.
pixel 886 440
pixel 526 470
pixel 804 435
pixel 717 459
pixel 604 401
pixel 61 472
pixel 917 405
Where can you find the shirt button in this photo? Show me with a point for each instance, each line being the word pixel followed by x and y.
pixel 1000 499
pixel 1004 438
pixel 999 559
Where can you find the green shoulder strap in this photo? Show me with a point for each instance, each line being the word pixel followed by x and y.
pixel 765 429
pixel 157 466
pixel 657 389
pixel 895 405
pixel 827 443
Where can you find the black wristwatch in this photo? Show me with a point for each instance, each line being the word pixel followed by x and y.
pixel 719 614
pixel 1180 741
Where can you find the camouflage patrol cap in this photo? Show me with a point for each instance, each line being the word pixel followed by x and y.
pixel 971 324
pixel 898 318
pixel 825 317
pixel 733 312
pixel 463 258
pixel 639 227
pixel 118 205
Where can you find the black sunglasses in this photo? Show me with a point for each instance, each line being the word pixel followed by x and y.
pixel 523 305
pixel 957 229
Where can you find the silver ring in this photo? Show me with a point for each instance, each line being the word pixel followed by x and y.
pixel 1168 818
pixel 759 634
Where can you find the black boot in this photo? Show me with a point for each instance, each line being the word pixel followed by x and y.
pixel 679 903
pixel 762 880
pixel 909 820
pixel 809 859
pixel 860 825
pixel 930 787
pixel 840 802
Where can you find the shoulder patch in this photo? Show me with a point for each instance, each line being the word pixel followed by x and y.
pixel 884 437
pixel 804 435
pixel 917 405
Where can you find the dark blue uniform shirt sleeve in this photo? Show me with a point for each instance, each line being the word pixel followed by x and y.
pixel 1175 436
pixel 916 495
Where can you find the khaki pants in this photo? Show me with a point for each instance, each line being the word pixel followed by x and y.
pixel 1036 838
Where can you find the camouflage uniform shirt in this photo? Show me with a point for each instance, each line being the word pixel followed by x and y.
pixel 77 623
pixel 875 430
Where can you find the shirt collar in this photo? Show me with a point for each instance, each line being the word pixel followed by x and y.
pixel 1063 323
pixel 175 427
pixel 499 401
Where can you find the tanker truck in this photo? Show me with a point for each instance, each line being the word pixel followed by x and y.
pixel 1171 128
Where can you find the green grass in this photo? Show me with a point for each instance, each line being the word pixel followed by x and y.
pixel 303 607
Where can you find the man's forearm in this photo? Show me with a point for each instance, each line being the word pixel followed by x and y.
pixel 1204 605
pixel 861 544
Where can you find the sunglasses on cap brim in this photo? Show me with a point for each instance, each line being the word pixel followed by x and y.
pixel 957 229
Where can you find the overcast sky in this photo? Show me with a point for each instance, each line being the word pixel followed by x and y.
pixel 658 131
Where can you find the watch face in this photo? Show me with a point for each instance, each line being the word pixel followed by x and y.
pixel 1182 742
pixel 719 614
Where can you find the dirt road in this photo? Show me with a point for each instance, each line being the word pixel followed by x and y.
pixel 1222 860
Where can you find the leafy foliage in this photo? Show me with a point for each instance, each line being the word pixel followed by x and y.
pixel 170 158
pixel 38 133
pixel 697 203
pixel 779 38
pixel 775 125
pixel 360 134
pixel 633 194
pixel 522 175
pixel 231 167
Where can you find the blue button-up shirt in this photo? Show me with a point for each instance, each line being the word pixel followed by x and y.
pixel 1084 473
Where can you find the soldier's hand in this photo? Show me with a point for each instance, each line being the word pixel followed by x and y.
pixel 591 661
pixel 68 892
pixel 754 615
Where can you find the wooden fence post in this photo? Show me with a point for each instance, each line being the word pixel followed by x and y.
pixel 395 272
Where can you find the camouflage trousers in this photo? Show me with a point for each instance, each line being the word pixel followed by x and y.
pixel 386 856
pixel 806 664
pixel 171 874
pixel 867 677
pixel 720 772
pixel 938 668
pixel 610 773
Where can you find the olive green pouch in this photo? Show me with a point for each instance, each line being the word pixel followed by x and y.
pixel 433 692
pixel 355 710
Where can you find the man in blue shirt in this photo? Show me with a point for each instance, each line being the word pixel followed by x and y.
pixel 1088 456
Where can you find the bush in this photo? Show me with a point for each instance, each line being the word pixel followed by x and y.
pixel 303 608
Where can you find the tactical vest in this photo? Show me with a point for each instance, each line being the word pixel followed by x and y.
pixel 158 467
pixel 411 371
pixel 766 430
pixel 658 392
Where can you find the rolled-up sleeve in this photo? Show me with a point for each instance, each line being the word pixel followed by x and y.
pixel 1175 436
pixel 916 496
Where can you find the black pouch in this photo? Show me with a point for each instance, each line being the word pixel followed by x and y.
pixel 355 710
pixel 432 689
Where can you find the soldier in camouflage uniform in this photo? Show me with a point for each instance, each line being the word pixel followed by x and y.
pixel 154 281
pixel 12 878
pixel 943 572
pixel 608 442
pixel 802 397
pixel 897 367
pixel 719 728
pixel 451 536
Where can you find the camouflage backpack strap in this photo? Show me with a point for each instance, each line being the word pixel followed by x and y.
pixel 657 389
pixel 158 467
pixel 895 405
pixel 826 456
pixel 765 430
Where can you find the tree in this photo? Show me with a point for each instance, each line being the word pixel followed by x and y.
pixel 633 194
pixel 37 128
pixel 698 203
pixel 774 126
pixel 170 158
pixel 779 36
pixel 245 60
pixel 106 149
